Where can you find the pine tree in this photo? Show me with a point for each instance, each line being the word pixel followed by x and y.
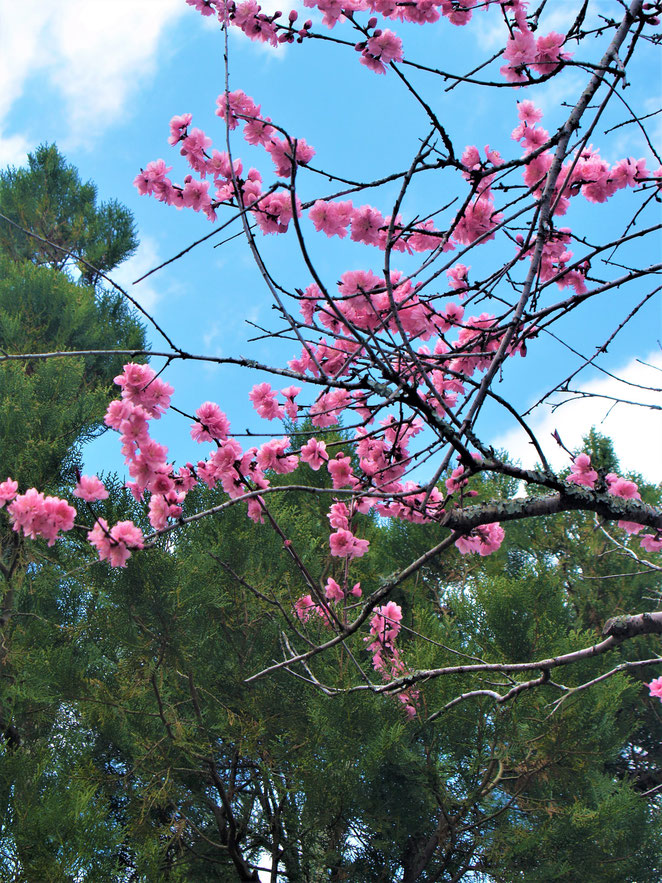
pixel 199 771
pixel 48 199
pixel 48 410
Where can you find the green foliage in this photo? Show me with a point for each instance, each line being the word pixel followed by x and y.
pixel 48 199
pixel 55 822
pixel 152 664
pixel 49 407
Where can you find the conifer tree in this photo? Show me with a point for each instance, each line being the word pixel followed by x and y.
pixel 48 199
pixel 203 777
pixel 48 409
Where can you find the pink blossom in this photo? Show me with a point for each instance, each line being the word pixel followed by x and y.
pixel 259 131
pixel 161 481
pixel 255 510
pixel 333 591
pixel 212 423
pixel 457 13
pixel 141 386
pixel 483 540
pixel 159 510
pixel 274 212
pixel 630 527
pixel 520 51
pixel 151 177
pixel 309 301
pixel 533 138
pixel 8 490
pixel 271 455
pixel 114 545
pixel 457 277
pixel 628 172
pixel 340 470
pixel 528 112
pixel 478 221
pixel 548 54
pixel 205 7
pixel 289 394
pixel 90 488
pixel 581 471
pixel 240 106
pixel 195 195
pixel 314 453
pixel 254 24
pixel 264 401
pixel 281 153
pixel 385 624
pixel 178 126
pixel 117 412
pixel 304 607
pixel 326 410
pixel 227 454
pixel 39 516
pixel 332 9
pixel 456 481
pixel 366 223
pixel 652 543
pixel 185 478
pixel 621 487
pixel 381 49
pixel 338 516
pixel 332 218
pixel 655 688
pixel 344 544
pixel 422 239
pixel 193 147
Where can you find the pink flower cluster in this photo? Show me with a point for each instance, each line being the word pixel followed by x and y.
pixel 483 540
pixel 587 174
pixel 211 424
pixel 655 688
pixel 115 545
pixel 272 210
pixel 369 226
pixel 90 488
pixel 581 471
pixel 34 514
pixel 583 474
pixel 37 515
pixel 385 627
pixel 305 607
pixel 543 54
pixel 343 543
pixel 335 593
pixel 382 48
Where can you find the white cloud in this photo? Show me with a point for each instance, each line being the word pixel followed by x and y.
pixel 489 31
pixel 146 258
pixel 13 150
pixel 95 53
pixel 635 431
pixel 209 337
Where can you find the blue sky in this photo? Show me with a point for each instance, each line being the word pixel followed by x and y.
pixel 102 81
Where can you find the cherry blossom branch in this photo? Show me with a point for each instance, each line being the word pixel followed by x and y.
pixel 616 630
pixel 623 666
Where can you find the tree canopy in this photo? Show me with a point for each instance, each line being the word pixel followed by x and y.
pixel 49 199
